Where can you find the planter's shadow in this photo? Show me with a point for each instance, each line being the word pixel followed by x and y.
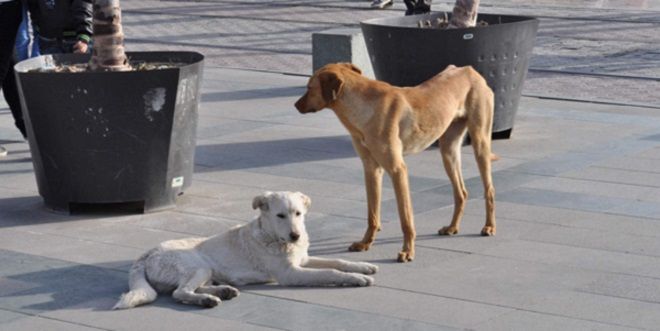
pixel 31 210
pixel 258 154
pixel 61 285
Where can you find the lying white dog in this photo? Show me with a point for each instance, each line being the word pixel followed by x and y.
pixel 272 247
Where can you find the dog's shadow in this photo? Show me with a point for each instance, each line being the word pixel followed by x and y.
pixel 335 246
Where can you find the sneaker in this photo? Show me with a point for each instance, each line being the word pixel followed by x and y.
pixel 380 4
pixel 3 151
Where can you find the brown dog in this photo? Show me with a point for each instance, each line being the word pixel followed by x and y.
pixel 388 122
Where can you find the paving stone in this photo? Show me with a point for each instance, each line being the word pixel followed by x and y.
pixel 394 303
pixel 57 285
pixel 267 310
pixel 611 175
pixel 69 249
pixel 526 320
pixel 164 314
pixel 652 153
pixel 577 219
pixel 624 286
pixel 607 239
pixel 634 164
pixel 629 313
pixel 581 202
pixel 596 188
pixel 8 316
pixel 591 259
pixel 179 222
pixel 40 323
pixel 315 189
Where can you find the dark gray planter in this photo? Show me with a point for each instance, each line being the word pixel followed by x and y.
pixel 404 55
pixel 112 137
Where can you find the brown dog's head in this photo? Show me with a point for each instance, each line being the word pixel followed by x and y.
pixel 324 87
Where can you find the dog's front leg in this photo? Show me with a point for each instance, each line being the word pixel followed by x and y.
pixel 399 174
pixel 299 276
pixel 341 265
pixel 373 178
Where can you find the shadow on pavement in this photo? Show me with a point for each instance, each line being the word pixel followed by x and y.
pixel 257 154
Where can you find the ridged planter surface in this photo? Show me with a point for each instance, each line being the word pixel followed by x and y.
pixel 403 54
pixel 112 137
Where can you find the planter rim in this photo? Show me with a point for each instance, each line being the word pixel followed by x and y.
pixel 25 67
pixel 396 22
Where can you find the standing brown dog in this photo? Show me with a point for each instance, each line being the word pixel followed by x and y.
pixel 388 122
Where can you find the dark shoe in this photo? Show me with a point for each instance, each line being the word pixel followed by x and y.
pixel 415 7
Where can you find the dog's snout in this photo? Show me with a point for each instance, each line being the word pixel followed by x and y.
pixel 294 236
pixel 300 104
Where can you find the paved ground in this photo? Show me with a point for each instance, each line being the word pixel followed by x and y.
pixel 578 193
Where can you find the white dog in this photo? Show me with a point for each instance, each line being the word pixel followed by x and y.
pixel 272 247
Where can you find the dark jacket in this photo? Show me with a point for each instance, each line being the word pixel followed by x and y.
pixel 62 18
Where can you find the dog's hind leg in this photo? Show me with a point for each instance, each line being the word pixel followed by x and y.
pixel 450 147
pixel 480 129
pixel 224 292
pixel 190 283
pixel 373 178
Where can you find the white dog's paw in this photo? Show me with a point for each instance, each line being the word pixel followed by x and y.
pixel 228 293
pixel 360 280
pixel 210 301
pixel 365 268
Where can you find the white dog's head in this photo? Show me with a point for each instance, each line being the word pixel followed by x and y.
pixel 283 214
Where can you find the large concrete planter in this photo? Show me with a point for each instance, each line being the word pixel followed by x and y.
pixel 112 137
pixel 405 55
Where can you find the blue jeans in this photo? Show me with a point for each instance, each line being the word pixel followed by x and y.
pixel 23 39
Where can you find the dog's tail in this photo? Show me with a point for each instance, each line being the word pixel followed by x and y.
pixel 140 291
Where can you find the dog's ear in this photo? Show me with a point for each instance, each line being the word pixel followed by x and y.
pixel 331 86
pixel 352 67
pixel 307 202
pixel 261 201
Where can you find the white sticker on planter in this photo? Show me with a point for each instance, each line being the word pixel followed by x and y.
pixel 177 182
pixel 468 36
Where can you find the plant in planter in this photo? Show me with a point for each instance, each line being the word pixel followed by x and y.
pixel 102 132
pixel 404 52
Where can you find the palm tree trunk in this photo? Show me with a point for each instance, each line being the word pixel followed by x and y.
pixel 464 14
pixel 108 49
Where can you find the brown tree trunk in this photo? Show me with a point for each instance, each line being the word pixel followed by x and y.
pixel 464 14
pixel 108 49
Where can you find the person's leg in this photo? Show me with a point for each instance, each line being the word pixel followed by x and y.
pixel 422 7
pixel 10 19
pixel 410 6
pixel 23 38
pixel 10 92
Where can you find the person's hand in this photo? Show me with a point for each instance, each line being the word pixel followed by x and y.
pixel 80 47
